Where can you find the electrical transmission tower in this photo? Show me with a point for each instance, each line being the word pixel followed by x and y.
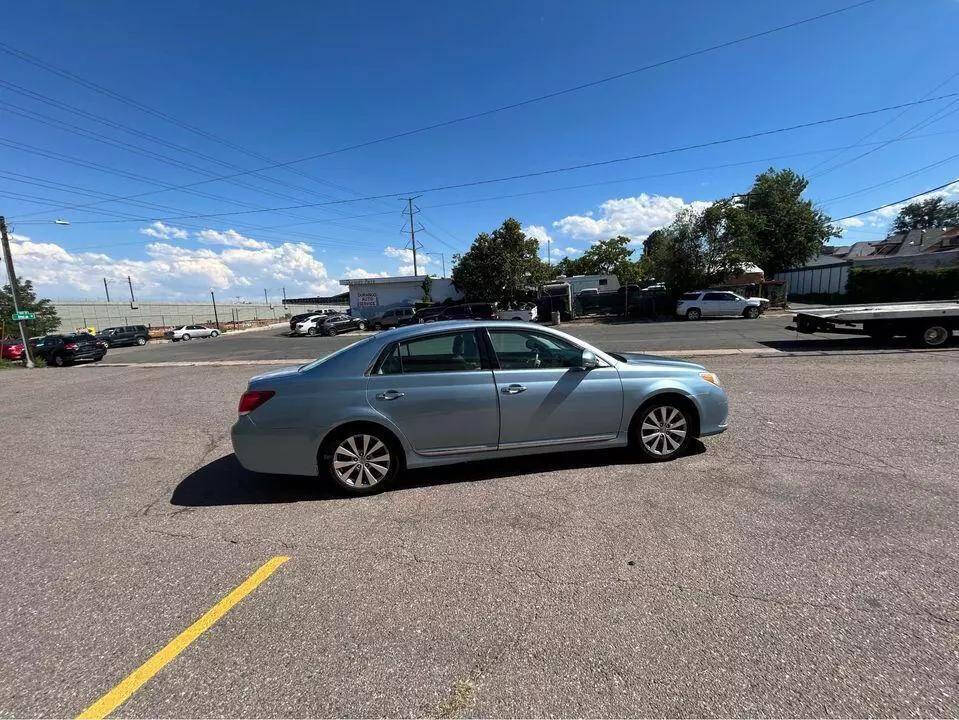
pixel 413 244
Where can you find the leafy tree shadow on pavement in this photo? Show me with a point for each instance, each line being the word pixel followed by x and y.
pixel 225 482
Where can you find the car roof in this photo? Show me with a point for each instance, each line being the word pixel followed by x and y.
pixel 412 331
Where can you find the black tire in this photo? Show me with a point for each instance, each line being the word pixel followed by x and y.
pixel 331 331
pixel 185 337
pixel 932 335
pixel 311 332
pixel 752 312
pixel 361 326
pixel 694 314
pixel 657 415
pixel 330 455
pixel 60 361
pixel 140 341
pixel 214 333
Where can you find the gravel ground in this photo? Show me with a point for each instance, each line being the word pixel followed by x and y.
pixel 802 564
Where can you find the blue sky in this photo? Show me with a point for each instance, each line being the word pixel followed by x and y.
pixel 283 80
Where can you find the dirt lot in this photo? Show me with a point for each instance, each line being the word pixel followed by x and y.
pixel 804 563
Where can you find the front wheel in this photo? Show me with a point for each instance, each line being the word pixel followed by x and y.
pixel 663 431
pixel 140 341
pixel 59 361
pixel 361 326
pixel 185 337
pixel 361 462
pixel 752 312
pixel 311 332
pixel 694 314
pixel 214 333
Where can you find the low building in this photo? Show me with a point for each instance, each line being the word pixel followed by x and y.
pixel 828 272
pixel 370 297
pixel 600 283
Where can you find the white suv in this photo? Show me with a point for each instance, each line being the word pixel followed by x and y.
pixel 715 303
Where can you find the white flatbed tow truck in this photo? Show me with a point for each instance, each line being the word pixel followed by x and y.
pixel 929 324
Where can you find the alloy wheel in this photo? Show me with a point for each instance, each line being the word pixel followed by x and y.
pixel 663 430
pixel 361 461
pixel 935 335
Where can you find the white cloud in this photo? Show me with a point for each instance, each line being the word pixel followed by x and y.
pixel 633 216
pixel 882 218
pixel 360 274
pixel 164 232
pixel 851 223
pixel 405 255
pixel 571 251
pixel 171 271
pixel 230 237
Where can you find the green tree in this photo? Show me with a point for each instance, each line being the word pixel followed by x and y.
pixel 678 257
pixel 501 266
pixel 774 227
pixel 931 213
pixel 46 321
pixel 427 287
pixel 608 257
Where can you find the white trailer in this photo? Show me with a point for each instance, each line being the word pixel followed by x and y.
pixel 929 324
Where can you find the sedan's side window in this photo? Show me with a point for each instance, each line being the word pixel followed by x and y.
pixel 517 350
pixel 452 352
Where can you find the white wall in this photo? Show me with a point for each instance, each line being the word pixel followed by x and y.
pixel 396 294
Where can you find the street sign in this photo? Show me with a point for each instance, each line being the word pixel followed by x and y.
pixel 23 315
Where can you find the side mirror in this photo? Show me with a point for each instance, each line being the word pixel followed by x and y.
pixel 588 360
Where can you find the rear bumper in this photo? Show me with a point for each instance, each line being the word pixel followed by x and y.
pixel 284 451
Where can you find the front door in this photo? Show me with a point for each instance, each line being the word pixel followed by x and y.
pixel 439 391
pixel 545 397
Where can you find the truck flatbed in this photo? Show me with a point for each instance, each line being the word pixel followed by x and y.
pixel 928 323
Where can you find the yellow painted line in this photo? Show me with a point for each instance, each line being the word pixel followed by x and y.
pixel 132 682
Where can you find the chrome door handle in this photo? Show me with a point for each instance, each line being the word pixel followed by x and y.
pixel 514 389
pixel 390 395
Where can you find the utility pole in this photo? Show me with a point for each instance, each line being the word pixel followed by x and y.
pixel 412 244
pixel 12 277
pixel 216 318
pixel 443 260
pixel 265 298
pixel 133 300
pixel 284 296
pixel 106 289
pixel 549 260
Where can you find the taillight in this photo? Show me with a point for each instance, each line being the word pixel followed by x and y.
pixel 252 399
pixel 70 346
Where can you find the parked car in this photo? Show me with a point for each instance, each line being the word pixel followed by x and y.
pixel 306 323
pixel 11 349
pixel 335 324
pixel 66 349
pixel 124 335
pixel 527 312
pixel 716 303
pixel 441 394
pixel 297 319
pixel 466 311
pixel 393 317
pixel 188 332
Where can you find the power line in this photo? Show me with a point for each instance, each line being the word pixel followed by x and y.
pixel 897 202
pixel 890 181
pixel 569 168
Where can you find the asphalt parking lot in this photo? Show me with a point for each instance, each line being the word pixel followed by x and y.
pixel 767 333
pixel 802 564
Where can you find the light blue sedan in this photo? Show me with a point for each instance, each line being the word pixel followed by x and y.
pixel 452 392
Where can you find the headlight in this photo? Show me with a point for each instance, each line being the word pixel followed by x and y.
pixel 710 378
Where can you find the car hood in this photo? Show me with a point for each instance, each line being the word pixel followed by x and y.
pixel 634 358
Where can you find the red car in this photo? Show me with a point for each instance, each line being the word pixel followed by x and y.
pixel 11 349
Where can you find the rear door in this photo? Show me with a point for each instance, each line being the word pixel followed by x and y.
pixel 438 390
pixel 545 397
pixel 713 303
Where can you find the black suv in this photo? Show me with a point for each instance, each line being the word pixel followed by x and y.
pixel 333 324
pixel 61 350
pixel 468 311
pixel 124 335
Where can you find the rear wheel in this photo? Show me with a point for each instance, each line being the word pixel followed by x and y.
pixel 694 314
pixel 663 430
pixel 933 335
pixel 361 326
pixel 361 461
pixel 214 333
pixel 331 331
pixel 752 312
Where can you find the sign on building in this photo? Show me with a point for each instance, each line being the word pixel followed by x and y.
pixel 366 299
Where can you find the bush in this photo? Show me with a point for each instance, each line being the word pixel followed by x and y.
pixel 902 284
